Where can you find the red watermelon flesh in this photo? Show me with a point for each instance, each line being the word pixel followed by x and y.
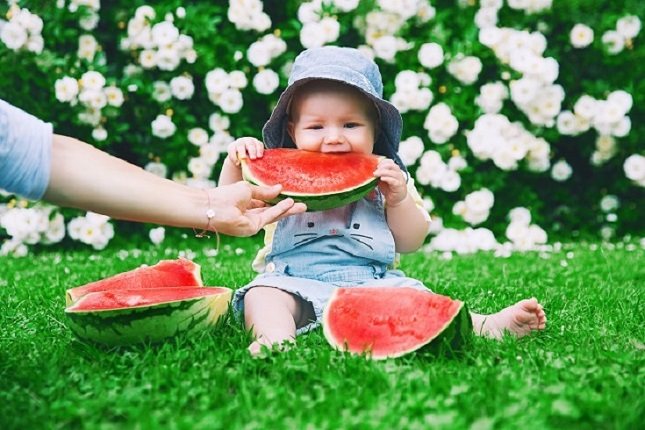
pixel 307 172
pixel 166 273
pixel 386 321
pixel 129 299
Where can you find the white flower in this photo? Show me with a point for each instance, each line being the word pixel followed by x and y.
pixel 199 168
pixel 95 99
pixel 66 89
pixel 237 79
pixel 407 80
pixel 520 216
pixel 346 5
pixel 92 80
pixel 161 91
pixel 480 201
pixel 197 136
pixel 114 96
pixel 440 123
pixel 266 81
pixel 457 163
pixel 628 26
pixel 309 12
pixel 164 33
pixel 634 168
pixel 524 90
pixel 465 68
pixel 231 101
pixel 167 58
pixel 410 150
pixel 586 107
pixel 622 99
pixel 613 41
pixel 450 181
pixel 163 127
pixel 157 168
pixel 99 134
pixel 311 35
pixel 218 122
pixel 13 35
pixel 157 235
pixel 386 47
pixel 182 87
pixel 217 81
pixel 581 36
pixel 87 47
pixel 609 203
pixel 566 123
pixel 330 29
pixel 209 153
pixel 148 58
pixel 561 171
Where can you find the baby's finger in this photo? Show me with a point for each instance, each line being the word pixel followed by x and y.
pixel 241 151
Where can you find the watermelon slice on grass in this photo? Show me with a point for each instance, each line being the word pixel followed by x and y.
pixel 388 322
pixel 127 316
pixel 320 180
pixel 166 273
pixel 146 304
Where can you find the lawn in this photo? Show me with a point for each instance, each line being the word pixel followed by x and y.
pixel 585 371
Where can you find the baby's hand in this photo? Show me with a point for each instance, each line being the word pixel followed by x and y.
pixel 245 147
pixel 392 183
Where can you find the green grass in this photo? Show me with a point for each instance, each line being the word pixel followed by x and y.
pixel 584 372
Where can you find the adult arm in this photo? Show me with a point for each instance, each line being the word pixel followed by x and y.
pixel 86 178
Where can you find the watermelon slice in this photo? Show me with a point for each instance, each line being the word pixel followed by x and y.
pixel 320 180
pixel 166 273
pixel 125 316
pixel 387 322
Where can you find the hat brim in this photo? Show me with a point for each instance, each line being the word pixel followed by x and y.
pixel 275 133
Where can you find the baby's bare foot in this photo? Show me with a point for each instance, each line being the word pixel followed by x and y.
pixel 517 320
pixel 260 346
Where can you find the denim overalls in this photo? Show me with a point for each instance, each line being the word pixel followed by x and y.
pixel 315 252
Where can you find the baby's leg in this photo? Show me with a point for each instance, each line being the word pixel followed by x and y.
pixel 273 315
pixel 517 320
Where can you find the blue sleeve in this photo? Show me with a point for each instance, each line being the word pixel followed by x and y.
pixel 25 152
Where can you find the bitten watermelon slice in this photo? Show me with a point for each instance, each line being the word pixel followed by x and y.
pixel 387 322
pixel 320 180
pixel 124 316
pixel 166 273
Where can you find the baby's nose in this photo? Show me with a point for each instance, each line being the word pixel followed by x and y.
pixel 334 136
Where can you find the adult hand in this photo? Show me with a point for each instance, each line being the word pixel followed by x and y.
pixel 240 208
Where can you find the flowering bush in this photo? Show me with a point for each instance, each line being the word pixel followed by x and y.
pixel 520 116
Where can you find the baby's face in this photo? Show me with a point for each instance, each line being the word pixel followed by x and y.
pixel 332 119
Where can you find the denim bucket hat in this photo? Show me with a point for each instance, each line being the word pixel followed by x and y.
pixel 348 66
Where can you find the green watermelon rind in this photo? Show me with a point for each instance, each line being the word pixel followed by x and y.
pixel 452 334
pixel 318 201
pixel 149 323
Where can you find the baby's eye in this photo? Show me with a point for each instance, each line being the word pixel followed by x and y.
pixel 352 125
pixel 314 127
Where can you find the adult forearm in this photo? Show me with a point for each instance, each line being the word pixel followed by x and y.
pixel 408 224
pixel 87 178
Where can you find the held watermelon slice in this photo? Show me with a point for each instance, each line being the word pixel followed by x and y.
pixel 320 180
pixel 122 317
pixel 166 273
pixel 387 322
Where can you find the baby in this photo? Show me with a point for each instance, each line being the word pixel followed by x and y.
pixel 334 103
